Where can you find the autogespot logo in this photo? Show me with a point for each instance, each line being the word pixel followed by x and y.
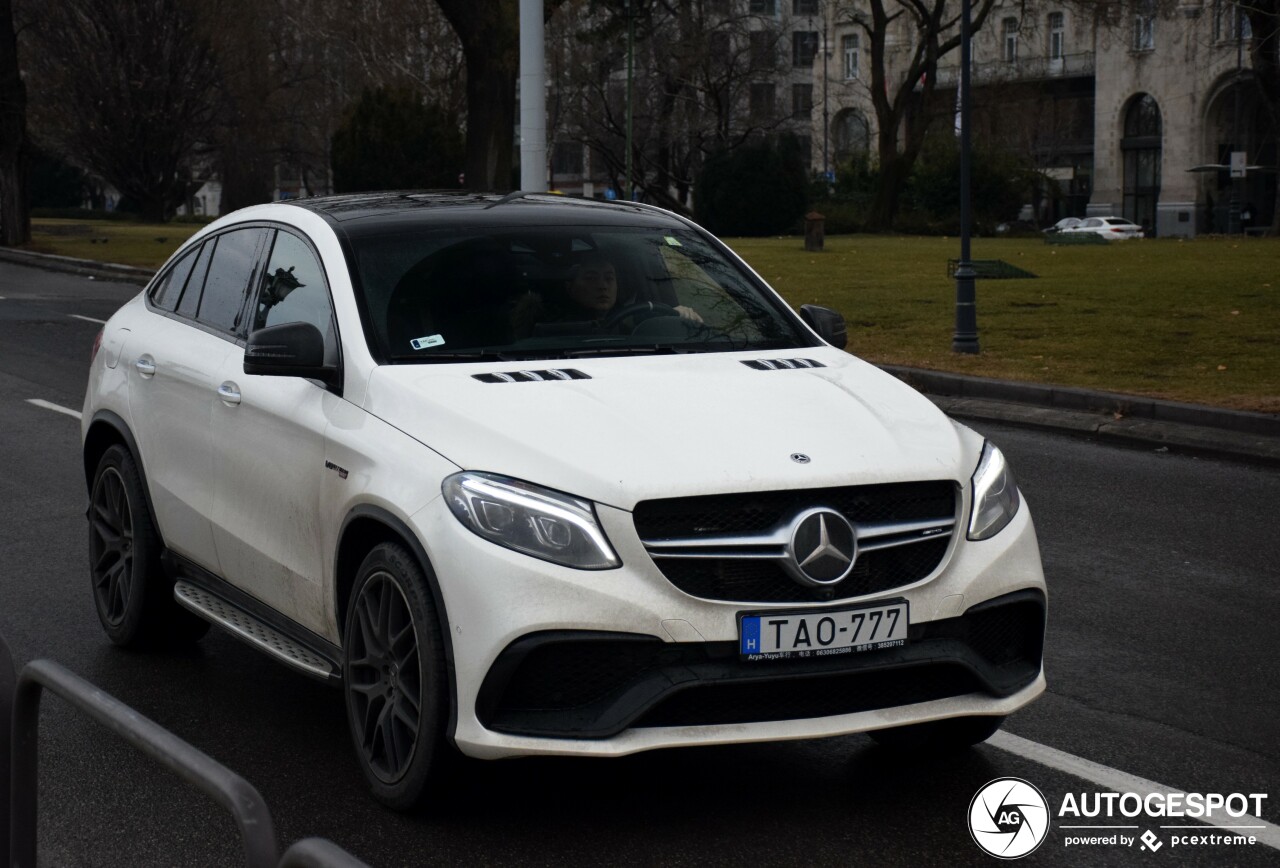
pixel 1009 818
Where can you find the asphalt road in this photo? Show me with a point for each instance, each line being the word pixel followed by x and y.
pixel 1164 572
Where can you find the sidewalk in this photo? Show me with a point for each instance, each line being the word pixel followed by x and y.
pixel 1108 416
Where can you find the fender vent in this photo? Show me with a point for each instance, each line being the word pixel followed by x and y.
pixel 781 364
pixel 532 376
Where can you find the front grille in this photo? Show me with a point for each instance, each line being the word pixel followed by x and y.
pixel 761 581
pixel 594 685
pixel 762 578
pixel 725 514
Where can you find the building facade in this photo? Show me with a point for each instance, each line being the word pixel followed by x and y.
pixel 1127 108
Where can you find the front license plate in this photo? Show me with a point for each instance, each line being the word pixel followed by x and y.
pixel 818 634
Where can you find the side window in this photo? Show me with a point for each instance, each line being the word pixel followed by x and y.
pixel 294 290
pixel 190 299
pixel 230 274
pixel 165 294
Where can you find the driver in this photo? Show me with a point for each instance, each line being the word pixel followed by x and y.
pixel 590 295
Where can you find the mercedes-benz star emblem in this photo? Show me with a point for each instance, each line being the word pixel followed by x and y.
pixel 799 458
pixel 822 549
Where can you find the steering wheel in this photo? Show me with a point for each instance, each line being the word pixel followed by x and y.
pixel 652 308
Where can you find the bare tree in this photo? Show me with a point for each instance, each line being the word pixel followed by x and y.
pixel 901 100
pixel 15 215
pixel 127 90
pixel 695 66
pixel 490 37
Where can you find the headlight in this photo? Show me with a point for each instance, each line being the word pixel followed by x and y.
pixel 530 519
pixel 995 495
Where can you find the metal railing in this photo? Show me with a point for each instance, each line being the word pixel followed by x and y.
pixel 20 697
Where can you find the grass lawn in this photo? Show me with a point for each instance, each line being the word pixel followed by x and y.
pixel 1189 320
pixel 145 245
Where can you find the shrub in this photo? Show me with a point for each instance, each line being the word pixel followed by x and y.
pixel 756 189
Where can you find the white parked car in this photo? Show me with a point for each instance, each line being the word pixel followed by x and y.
pixel 1110 228
pixel 531 475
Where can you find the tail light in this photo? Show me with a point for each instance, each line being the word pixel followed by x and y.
pixel 97 345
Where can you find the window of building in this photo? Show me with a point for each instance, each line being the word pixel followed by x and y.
pixel 852 46
pixel 1142 148
pixel 1229 21
pixel 1010 29
pixel 804 47
pixel 720 45
pixel 761 100
pixel 566 158
pixel 1057 35
pixel 763 49
pixel 762 7
pixel 851 135
pixel 801 101
pixel 1144 27
pixel 805 144
pixel 804 7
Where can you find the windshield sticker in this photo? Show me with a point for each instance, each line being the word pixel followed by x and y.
pixel 672 241
pixel 428 341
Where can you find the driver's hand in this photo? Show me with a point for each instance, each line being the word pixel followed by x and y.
pixel 688 313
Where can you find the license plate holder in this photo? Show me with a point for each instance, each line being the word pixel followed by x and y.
pixel 823 632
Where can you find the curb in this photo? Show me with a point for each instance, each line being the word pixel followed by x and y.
pixel 1110 416
pixel 72 265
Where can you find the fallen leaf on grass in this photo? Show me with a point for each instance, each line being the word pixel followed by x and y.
pixel 1222 367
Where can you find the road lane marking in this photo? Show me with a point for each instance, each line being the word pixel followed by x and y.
pixel 57 408
pixel 87 318
pixel 1117 781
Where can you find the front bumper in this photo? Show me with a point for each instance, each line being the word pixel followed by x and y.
pixel 550 660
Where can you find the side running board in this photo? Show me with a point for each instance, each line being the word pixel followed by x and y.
pixel 243 625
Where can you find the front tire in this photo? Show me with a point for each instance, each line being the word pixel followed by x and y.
pixel 394 678
pixel 131 592
pixel 939 736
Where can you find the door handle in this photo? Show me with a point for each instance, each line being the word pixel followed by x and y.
pixel 146 366
pixel 229 392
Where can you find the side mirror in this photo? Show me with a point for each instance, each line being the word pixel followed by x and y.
pixel 294 349
pixel 828 323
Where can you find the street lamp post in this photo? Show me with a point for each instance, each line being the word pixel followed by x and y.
pixel 630 186
pixel 965 339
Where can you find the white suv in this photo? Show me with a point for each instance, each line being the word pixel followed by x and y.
pixel 530 475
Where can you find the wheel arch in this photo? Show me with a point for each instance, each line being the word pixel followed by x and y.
pixel 365 527
pixel 107 429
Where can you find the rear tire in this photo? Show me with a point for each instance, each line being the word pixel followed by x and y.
pixel 394 678
pixel 132 594
pixel 939 736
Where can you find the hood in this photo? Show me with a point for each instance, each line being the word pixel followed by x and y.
pixel 640 427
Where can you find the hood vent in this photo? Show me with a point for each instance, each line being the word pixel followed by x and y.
pixel 781 364
pixel 532 376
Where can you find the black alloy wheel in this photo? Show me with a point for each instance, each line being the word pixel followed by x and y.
pixel 131 592
pixel 111 547
pixel 394 677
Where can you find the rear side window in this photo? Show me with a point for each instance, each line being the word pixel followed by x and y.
pixel 230 275
pixel 165 294
pixel 190 299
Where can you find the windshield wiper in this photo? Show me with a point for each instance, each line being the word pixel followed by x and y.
pixel 461 356
pixel 652 350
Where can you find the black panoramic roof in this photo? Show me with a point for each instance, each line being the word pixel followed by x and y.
pixel 364 212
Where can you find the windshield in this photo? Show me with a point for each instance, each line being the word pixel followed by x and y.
pixel 434 295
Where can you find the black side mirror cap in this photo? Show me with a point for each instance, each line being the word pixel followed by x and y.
pixel 294 349
pixel 828 323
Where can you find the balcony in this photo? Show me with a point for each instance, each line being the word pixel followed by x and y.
pixel 1023 69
